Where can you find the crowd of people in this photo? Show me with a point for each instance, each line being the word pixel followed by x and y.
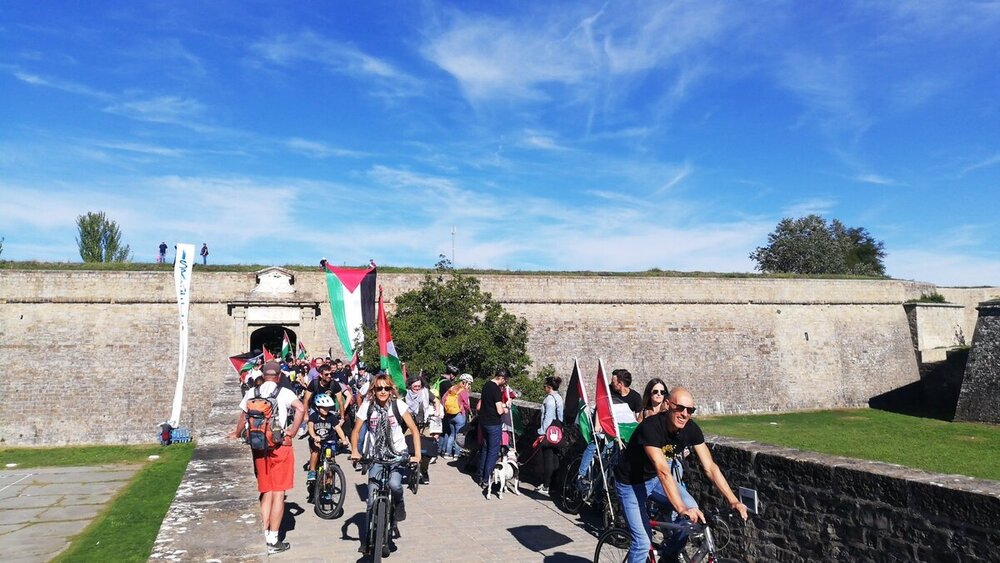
pixel 372 420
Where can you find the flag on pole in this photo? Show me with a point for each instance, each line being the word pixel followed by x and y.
pixel 243 365
pixel 576 406
pixel 286 346
pixel 387 350
pixel 352 302
pixel 615 419
pixel 302 351
pixel 268 356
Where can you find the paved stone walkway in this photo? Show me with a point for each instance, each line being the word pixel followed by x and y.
pixel 42 508
pixel 215 515
pixel 447 521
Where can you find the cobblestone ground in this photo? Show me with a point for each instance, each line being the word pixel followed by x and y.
pixel 447 521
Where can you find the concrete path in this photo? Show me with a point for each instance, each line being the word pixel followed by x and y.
pixel 42 508
pixel 447 521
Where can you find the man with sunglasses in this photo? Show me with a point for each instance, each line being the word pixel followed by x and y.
pixel 651 467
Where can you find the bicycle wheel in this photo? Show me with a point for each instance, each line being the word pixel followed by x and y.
pixel 380 519
pixel 339 490
pixel 323 494
pixel 612 546
pixel 572 499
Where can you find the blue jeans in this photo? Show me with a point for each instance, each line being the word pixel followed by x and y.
pixel 588 458
pixel 452 425
pixel 490 451
pixel 633 499
pixel 395 485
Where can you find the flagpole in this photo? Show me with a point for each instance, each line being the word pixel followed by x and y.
pixel 604 478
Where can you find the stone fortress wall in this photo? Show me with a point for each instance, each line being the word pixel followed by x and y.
pixel 92 356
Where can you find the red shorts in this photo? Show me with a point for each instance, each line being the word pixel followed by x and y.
pixel 275 470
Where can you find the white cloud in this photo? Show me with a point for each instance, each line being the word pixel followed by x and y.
pixel 64 85
pixel 875 179
pixel 985 163
pixel 676 179
pixel 816 206
pixel 161 109
pixel 317 149
pixel 944 266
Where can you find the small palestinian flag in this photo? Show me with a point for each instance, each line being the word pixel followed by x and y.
pixel 387 350
pixel 303 355
pixel 286 346
pixel 615 419
pixel 576 406
pixel 268 356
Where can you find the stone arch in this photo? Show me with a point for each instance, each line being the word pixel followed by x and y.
pixel 271 336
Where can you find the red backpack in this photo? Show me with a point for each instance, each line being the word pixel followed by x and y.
pixel 264 433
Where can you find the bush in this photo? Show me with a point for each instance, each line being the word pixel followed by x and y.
pixel 933 297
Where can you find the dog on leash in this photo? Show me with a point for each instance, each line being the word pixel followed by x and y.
pixel 505 473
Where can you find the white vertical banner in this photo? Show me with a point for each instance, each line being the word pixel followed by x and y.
pixel 183 265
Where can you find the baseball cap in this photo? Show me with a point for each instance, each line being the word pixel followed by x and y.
pixel 271 368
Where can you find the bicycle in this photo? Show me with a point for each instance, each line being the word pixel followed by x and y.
pixel 330 486
pixel 701 547
pixel 578 492
pixel 381 519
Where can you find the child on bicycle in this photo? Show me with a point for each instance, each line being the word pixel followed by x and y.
pixel 323 423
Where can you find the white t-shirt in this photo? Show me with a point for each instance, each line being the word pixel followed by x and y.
pixel 284 399
pixel 398 441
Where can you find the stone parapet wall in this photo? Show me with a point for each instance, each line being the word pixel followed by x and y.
pixel 824 508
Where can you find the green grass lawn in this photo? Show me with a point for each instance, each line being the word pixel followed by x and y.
pixel 923 443
pixel 125 531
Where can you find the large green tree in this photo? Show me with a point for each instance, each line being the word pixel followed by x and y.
pixel 810 245
pixel 450 320
pixel 100 239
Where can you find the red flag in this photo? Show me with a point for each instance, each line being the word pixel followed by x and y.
pixel 605 418
pixel 268 356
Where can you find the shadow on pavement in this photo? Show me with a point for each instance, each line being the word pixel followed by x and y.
pixel 292 509
pixel 564 558
pixel 538 538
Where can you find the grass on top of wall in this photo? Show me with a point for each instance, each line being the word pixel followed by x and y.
pixel 127 528
pixel 922 443
pixel 154 267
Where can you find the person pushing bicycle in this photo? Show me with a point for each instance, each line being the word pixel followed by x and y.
pixel 386 417
pixel 651 467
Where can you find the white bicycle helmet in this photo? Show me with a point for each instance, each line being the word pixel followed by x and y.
pixel 465 377
pixel 324 400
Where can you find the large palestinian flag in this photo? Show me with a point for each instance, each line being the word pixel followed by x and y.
pixel 615 419
pixel 352 302
pixel 387 350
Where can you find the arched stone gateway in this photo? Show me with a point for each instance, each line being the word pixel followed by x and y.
pixel 270 309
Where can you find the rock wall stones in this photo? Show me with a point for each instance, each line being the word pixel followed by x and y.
pixel 979 400
pixel 741 344
pixel 823 508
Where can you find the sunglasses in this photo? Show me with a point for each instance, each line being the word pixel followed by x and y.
pixel 381 388
pixel 682 408
pixel 658 392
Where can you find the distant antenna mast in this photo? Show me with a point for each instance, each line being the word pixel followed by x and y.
pixel 453 246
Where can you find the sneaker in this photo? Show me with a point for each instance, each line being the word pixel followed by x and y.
pixel 486 491
pixel 311 476
pixel 434 460
pixel 400 510
pixel 542 490
pixel 278 547
pixel 425 480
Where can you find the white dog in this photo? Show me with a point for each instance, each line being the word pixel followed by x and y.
pixel 505 473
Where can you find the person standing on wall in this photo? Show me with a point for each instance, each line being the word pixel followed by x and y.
pixel 163 253
pixel 204 253
pixel 274 468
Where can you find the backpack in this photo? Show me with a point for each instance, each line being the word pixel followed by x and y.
pixel 451 404
pixel 264 432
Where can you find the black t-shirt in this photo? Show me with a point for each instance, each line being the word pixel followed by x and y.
pixel 633 400
pixel 488 400
pixel 340 377
pixel 316 387
pixel 323 425
pixel 635 467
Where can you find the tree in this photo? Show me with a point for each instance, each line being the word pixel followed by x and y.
pixel 100 239
pixel 449 319
pixel 808 245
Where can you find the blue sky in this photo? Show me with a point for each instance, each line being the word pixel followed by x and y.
pixel 550 135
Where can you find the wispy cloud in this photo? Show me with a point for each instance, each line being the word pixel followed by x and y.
pixel 828 89
pixel 317 149
pixel 64 85
pixel 817 206
pixel 334 56
pixel 162 109
pixel 985 163
pixel 541 140
pixel 875 179
pixel 676 179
